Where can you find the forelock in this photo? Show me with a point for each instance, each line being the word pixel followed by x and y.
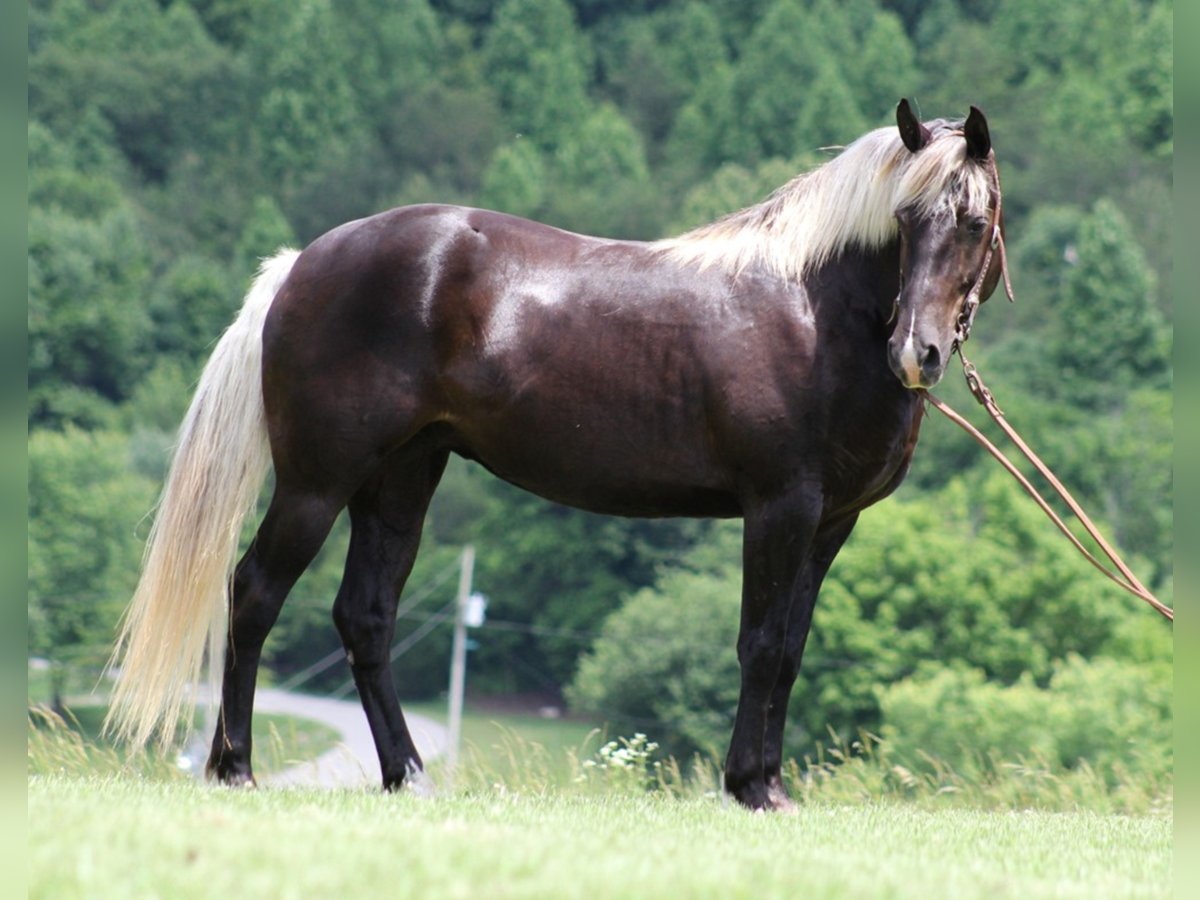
pixel 942 176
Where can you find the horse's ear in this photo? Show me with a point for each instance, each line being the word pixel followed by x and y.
pixel 912 132
pixel 975 130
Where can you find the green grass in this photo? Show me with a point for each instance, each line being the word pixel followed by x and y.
pixel 522 820
pixel 512 744
pixel 124 837
pixel 76 744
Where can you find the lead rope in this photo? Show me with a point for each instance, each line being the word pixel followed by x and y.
pixel 979 390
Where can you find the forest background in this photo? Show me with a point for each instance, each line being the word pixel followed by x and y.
pixel 172 145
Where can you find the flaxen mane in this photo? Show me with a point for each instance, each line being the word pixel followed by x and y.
pixel 849 201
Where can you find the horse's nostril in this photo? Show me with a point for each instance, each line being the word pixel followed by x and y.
pixel 931 361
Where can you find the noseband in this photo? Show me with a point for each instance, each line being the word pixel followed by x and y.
pixel 966 316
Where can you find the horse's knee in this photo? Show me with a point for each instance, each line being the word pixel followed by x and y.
pixel 761 655
pixel 364 638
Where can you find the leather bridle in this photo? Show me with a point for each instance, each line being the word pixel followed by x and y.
pixel 966 316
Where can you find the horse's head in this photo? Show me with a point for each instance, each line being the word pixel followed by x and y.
pixel 951 255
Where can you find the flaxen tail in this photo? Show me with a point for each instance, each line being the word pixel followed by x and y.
pixel 181 602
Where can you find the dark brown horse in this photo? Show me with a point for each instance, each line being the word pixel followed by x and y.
pixel 762 366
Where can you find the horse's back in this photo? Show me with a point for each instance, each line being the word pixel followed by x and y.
pixel 534 350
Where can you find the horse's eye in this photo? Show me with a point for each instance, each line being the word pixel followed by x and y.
pixel 975 226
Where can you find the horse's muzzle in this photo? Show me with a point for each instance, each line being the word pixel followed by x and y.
pixel 917 366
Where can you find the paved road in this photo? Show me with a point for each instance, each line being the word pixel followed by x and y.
pixel 353 762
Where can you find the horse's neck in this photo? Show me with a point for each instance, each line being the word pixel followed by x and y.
pixel 858 286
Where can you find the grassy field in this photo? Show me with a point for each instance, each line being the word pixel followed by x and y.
pixel 124 837
pixel 536 811
pixel 519 746
pixel 75 745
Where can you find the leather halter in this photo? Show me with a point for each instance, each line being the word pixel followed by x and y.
pixel 966 316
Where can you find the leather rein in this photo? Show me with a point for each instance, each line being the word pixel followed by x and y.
pixel 1124 576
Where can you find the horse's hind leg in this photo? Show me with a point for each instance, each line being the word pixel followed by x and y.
pixel 293 530
pixel 386 516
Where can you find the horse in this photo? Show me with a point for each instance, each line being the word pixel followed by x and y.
pixel 768 366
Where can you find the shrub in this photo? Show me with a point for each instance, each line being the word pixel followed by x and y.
pixel 1110 715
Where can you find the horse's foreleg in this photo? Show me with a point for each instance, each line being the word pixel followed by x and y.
pixel 826 545
pixel 386 517
pixel 776 547
pixel 295 526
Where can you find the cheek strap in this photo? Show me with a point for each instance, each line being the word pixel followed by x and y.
pixel 966 316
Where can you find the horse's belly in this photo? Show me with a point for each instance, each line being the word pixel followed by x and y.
pixel 602 466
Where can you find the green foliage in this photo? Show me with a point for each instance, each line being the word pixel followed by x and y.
pixel 790 83
pixel 1112 335
pixel 558 572
pixel 1110 715
pixel 84 509
pixel 666 659
pixel 87 324
pixel 396 48
pixel 537 60
pixel 153 73
pixel 732 187
pixel 705 133
pixel 192 304
pixel 604 151
pixel 266 231
pixel 445 131
pixel 514 180
pixel 307 108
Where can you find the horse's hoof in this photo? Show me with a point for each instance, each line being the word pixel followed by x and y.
pixel 413 781
pixel 760 797
pixel 753 797
pixel 231 778
pixel 239 781
pixel 778 798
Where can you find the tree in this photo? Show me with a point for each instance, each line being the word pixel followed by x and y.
pixel 732 187
pixel 191 306
pixel 153 72
pixel 88 280
pixel 1149 110
pixel 1111 715
pixel 171 144
pixel 707 133
pixel 665 663
pixel 884 68
pixel 602 183
pixel 561 570
pixel 515 179
pixel 651 64
pixel 447 133
pixel 1111 336
pixel 307 108
pixel 538 62
pixel 84 508
pixel 266 231
pixel 791 89
pixel 397 47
